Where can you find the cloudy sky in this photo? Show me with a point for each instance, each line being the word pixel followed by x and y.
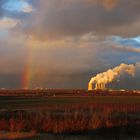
pixel 63 43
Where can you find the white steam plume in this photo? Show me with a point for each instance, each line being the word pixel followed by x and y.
pixel 101 79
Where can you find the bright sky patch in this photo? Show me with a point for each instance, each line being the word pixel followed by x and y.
pixel 18 5
pixel 133 41
pixel 137 39
pixel 7 23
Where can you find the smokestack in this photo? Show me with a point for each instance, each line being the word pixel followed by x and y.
pixel 101 79
pixel 96 86
pixel 90 86
pixel 101 85
pixel 104 86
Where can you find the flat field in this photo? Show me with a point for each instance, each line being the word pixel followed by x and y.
pixel 70 117
pixel 23 102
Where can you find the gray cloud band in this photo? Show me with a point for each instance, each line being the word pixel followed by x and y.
pixel 74 18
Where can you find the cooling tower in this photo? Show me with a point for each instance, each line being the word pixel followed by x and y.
pixel 100 86
pixel 90 86
pixel 102 79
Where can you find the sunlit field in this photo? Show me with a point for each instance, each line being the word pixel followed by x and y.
pixel 98 117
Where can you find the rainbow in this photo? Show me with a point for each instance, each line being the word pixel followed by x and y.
pixel 27 74
pixel 28 70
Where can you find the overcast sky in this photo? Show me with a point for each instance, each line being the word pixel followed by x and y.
pixel 63 43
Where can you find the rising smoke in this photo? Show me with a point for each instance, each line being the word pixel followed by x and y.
pixel 102 79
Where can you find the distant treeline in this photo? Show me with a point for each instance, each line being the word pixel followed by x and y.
pixel 67 92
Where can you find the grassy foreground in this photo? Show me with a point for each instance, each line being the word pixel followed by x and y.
pixel 16 102
pixel 70 117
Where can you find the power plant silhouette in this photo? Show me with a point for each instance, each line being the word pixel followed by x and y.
pixel 100 81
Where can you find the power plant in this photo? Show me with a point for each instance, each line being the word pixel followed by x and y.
pixel 90 86
pixel 100 81
pixel 98 86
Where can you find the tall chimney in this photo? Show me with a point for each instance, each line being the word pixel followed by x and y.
pixel 103 86
pixel 90 86
pixel 98 86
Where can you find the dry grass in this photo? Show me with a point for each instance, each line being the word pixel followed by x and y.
pixel 16 135
pixel 70 118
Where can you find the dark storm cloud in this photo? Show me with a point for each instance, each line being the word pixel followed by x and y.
pixel 76 17
pixel 1 9
pixel 10 81
pixel 12 55
pixel 67 41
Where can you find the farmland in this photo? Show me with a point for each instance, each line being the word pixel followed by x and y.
pixel 66 117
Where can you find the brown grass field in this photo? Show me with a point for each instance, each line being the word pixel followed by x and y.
pixel 70 115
